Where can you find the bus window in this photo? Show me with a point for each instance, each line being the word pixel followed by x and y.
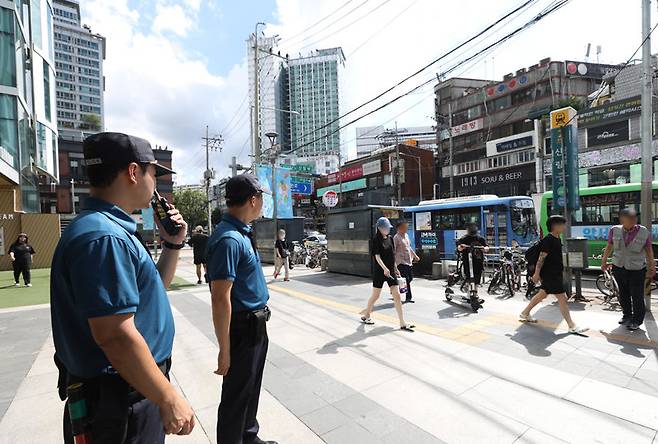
pixel 443 220
pixel 523 218
pixel 466 216
pixel 490 225
pixel 502 226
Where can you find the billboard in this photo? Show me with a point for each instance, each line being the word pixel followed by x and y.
pixel 283 191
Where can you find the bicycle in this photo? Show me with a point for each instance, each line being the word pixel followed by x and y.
pixel 506 274
pixel 607 285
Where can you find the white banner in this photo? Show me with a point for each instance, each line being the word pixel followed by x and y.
pixel 372 167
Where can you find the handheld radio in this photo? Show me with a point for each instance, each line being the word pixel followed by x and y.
pixel 161 208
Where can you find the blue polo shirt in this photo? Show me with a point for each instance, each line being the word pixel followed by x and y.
pixel 231 257
pixel 100 268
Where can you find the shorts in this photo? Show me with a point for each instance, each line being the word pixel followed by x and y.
pixel 553 285
pixel 379 279
pixel 198 260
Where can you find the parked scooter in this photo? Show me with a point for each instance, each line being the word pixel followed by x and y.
pixel 471 297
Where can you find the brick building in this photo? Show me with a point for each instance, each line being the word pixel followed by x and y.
pixel 57 198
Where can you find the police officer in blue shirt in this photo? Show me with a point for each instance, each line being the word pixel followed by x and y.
pixel 239 311
pixel 112 323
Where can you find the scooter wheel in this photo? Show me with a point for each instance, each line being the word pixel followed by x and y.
pixel 448 295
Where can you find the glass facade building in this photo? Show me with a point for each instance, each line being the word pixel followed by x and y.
pixel 28 127
pixel 313 91
pixel 80 84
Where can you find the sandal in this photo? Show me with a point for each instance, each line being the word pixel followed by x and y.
pixel 408 327
pixel 367 321
pixel 527 318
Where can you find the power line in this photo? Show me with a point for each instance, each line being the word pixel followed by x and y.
pixel 382 28
pixel 622 67
pixel 556 5
pixel 330 24
pixel 456 48
pixel 237 111
pixel 321 20
pixel 367 14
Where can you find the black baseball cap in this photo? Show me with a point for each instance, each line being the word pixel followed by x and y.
pixel 242 187
pixel 120 150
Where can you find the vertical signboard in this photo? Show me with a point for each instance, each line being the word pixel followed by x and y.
pixel 564 157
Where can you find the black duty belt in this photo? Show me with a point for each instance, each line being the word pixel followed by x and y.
pixel 249 315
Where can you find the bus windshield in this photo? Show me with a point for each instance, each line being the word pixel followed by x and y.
pixel 523 218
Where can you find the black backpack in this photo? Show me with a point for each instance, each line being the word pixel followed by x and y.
pixel 532 255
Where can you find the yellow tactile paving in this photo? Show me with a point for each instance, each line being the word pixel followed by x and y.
pixel 469 333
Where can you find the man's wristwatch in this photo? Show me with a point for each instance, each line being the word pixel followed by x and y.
pixel 171 246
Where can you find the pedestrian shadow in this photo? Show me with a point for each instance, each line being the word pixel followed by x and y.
pixel 4 287
pixel 535 338
pixel 619 336
pixel 385 306
pixel 327 279
pixel 454 310
pixel 352 340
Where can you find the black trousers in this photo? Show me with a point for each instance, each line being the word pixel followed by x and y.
pixel 407 273
pixel 21 268
pixel 119 416
pixel 631 293
pixel 236 417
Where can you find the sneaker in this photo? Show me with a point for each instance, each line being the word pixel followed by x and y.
pixel 633 326
pixel 409 301
pixel 276 275
pixel 578 330
pixel 367 321
pixel 199 282
pixel 527 318
pixel 28 285
pixel 624 320
pixel 17 284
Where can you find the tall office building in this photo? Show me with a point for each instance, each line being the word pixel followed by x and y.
pixel 79 56
pixel 269 72
pixel 313 90
pixel 28 128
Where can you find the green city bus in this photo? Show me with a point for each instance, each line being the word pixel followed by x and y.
pixel 599 210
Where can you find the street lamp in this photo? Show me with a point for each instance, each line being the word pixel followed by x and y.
pixel 272 136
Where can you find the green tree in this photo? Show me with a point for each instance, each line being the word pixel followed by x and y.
pixel 90 122
pixel 192 205
pixel 216 216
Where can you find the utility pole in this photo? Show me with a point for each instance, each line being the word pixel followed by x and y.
pixel 273 156
pixel 256 110
pixel 450 151
pixel 398 182
pixel 340 179
pixel 73 195
pixel 645 118
pixel 212 143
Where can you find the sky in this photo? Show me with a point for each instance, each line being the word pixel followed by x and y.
pixel 175 66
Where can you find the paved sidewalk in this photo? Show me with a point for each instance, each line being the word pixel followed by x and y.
pixel 461 378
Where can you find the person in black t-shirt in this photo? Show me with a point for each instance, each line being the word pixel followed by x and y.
pixel 384 270
pixel 472 239
pixel 21 256
pixel 549 271
pixel 282 256
pixel 199 243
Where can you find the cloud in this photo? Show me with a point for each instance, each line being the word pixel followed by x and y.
pixel 172 18
pixel 157 88
pixel 392 39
